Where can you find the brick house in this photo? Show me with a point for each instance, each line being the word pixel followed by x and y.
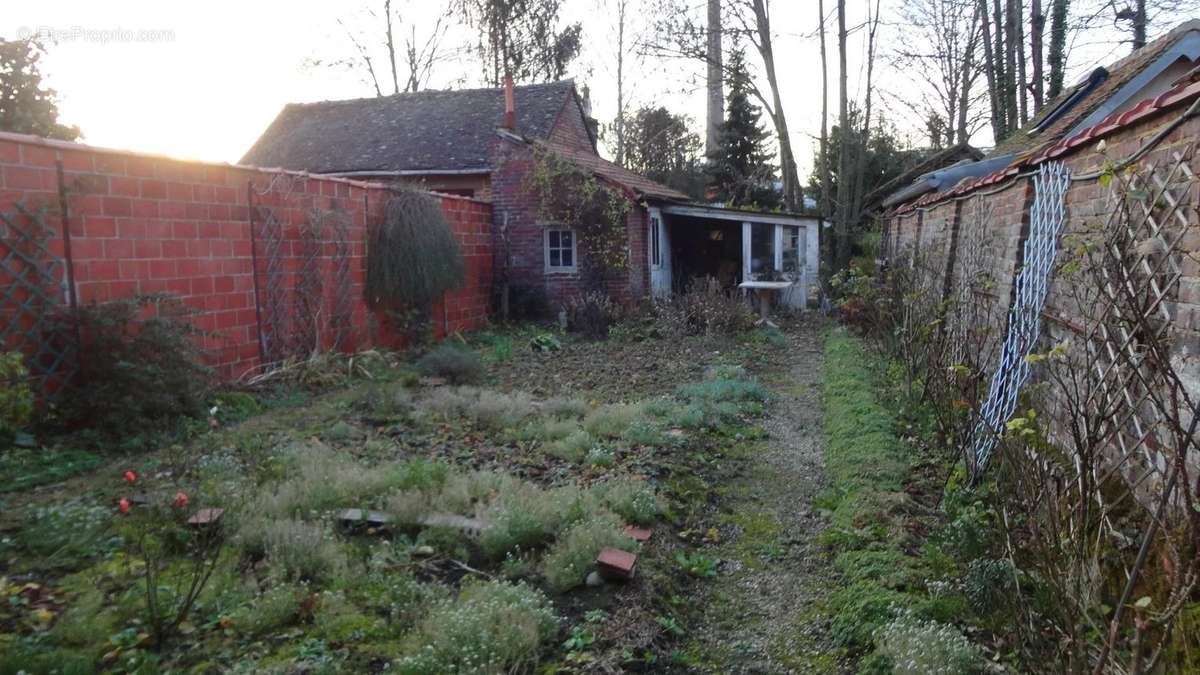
pixel 482 143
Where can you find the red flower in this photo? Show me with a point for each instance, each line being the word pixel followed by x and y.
pixel 130 477
pixel 181 500
pixel 123 505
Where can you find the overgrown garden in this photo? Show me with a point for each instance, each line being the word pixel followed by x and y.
pixel 437 510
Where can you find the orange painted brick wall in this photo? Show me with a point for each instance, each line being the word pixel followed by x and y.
pixel 145 224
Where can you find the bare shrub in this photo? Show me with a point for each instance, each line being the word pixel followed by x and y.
pixel 455 363
pixel 565 408
pixel 294 548
pixel 705 308
pixel 592 314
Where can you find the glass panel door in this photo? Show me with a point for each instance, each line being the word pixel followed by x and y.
pixel 761 263
pixel 793 252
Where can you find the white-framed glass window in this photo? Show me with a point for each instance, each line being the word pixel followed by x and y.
pixel 560 248
pixel 655 243
pixel 793 251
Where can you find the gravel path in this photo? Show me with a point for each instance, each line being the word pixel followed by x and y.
pixel 761 614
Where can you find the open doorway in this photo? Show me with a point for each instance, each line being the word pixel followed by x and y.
pixel 737 247
pixel 702 247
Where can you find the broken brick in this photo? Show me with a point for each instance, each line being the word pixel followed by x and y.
pixel 638 534
pixel 613 563
pixel 205 517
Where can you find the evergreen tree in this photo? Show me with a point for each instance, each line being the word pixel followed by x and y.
pixel 25 106
pixel 740 170
pixel 660 146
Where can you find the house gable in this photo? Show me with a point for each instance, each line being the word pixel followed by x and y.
pixel 571 126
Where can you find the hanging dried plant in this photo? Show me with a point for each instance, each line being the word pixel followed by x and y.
pixel 412 256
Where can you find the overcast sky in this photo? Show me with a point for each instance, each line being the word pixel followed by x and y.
pixel 203 80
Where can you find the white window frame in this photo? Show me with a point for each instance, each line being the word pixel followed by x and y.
pixel 560 269
pixel 654 241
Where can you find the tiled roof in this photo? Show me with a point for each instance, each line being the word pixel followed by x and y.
pixel 639 185
pixel 1119 74
pixel 1185 90
pixel 418 131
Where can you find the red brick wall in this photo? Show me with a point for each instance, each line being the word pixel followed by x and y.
pixel 515 210
pixel 570 128
pixel 146 224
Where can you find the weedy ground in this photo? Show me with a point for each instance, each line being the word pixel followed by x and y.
pixel 713 443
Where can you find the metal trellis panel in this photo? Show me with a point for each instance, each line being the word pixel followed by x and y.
pixel 1024 317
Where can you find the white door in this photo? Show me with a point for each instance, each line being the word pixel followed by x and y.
pixel 658 249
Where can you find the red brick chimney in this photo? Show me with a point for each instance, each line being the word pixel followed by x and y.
pixel 510 110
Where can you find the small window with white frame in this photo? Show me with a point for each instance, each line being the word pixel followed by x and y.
pixel 560 250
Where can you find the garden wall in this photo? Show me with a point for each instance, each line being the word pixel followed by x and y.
pixel 949 228
pixel 1128 272
pixel 272 262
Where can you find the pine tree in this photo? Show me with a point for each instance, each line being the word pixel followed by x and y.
pixel 740 170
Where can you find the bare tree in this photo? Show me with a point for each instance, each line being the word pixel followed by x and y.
pixel 1037 24
pixel 521 39
pixel 860 164
pixel 1056 59
pixel 1017 9
pixel 842 221
pixel 824 148
pixel 423 49
pixel 756 23
pixel 622 28
pixel 679 34
pixel 991 69
pixel 940 57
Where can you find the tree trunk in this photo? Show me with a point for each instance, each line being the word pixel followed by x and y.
pixel 1037 24
pixel 826 188
pixel 1056 58
pixel 1002 75
pixel 716 80
pixel 620 121
pixel 1139 25
pixel 967 75
pixel 1010 68
pixel 842 227
pixel 990 63
pixel 391 45
pixel 860 164
pixel 793 199
pixel 1022 81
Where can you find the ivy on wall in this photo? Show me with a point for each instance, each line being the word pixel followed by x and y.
pixel 569 196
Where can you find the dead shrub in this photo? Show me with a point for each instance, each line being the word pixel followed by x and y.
pixel 705 308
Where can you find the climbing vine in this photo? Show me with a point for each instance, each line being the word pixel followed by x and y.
pixel 569 196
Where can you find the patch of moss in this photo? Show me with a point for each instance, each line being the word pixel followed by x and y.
pixel 758 538
pixel 860 608
pixel 887 567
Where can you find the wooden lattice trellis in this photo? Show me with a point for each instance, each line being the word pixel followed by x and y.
pixel 1141 259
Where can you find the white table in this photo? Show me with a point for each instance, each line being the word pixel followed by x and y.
pixel 763 290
